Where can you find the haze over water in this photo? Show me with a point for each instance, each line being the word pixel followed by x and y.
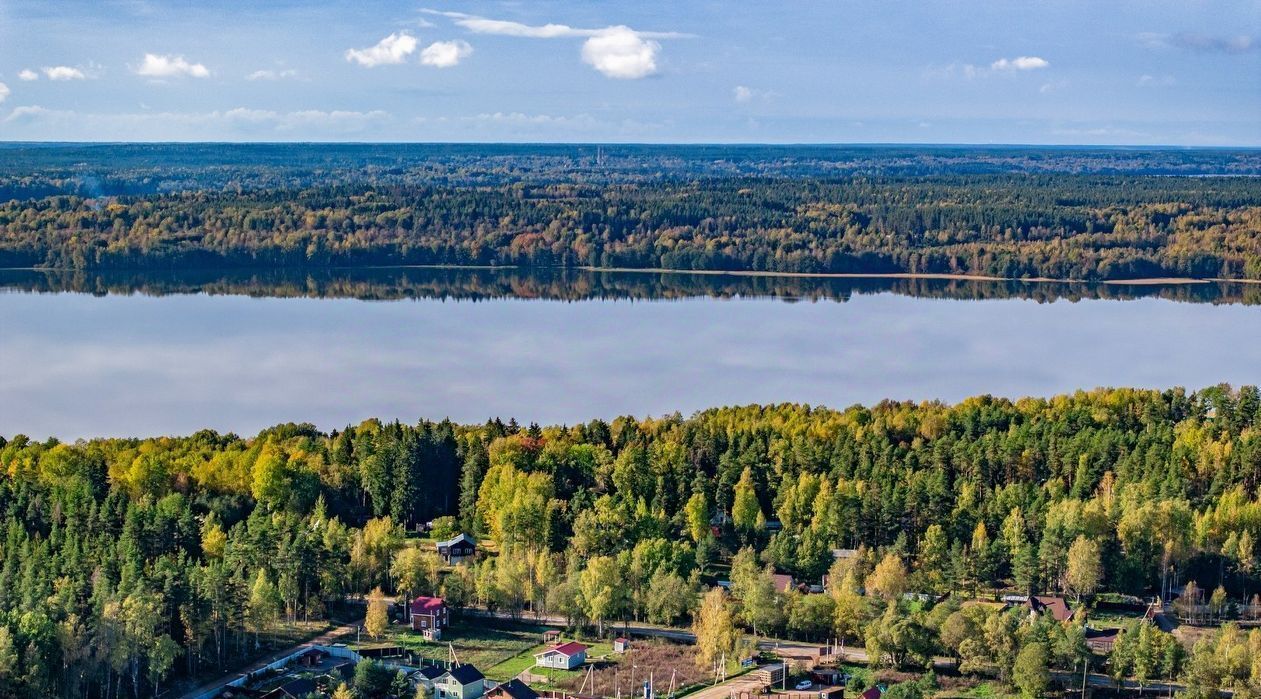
pixel 75 365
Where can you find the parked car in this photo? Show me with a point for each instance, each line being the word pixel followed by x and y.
pixel 805 684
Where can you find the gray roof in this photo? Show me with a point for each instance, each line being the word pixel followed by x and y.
pixel 465 674
pixel 458 538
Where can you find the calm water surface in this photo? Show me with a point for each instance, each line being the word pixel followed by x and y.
pixel 77 365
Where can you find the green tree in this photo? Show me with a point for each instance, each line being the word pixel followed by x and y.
pixel 603 590
pixel 669 597
pixel 8 654
pixel 715 628
pixel 746 510
pixel 264 604
pixel 377 619
pixel 1030 672
pixel 372 680
pixel 697 513
pixel 888 580
pixel 1085 568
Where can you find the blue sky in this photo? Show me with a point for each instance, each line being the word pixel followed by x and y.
pixel 1185 72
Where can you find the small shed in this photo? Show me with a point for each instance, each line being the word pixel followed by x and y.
pixel 621 645
pixel 551 635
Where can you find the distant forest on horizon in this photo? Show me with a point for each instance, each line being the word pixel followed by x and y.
pixel 1015 212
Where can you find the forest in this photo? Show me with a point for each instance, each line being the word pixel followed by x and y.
pixel 131 562
pixel 1009 213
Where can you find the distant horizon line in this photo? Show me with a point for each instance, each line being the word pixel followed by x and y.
pixel 658 144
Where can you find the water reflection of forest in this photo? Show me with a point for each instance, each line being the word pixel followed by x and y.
pixel 578 285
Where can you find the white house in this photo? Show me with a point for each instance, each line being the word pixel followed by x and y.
pixel 564 656
pixel 460 682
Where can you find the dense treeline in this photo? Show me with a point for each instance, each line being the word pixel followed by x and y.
pixel 376 283
pixel 95 170
pixel 126 561
pixel 1048 225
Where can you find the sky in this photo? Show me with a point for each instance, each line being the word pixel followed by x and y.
pixel 1123 72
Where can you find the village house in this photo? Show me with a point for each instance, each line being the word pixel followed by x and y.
pixel 564 656
pixel 512 689
pixel 429 616
pixel 460 682
pixel 457 549
pixel 1057 607
pixel 426 676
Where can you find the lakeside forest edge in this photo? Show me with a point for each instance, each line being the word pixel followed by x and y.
pixel 126 561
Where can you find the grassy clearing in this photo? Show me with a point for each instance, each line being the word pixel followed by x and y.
pixel 661 660
pixel 479 642
pixel 1111 619
pixel 984 690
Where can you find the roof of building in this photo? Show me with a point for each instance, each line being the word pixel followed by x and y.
pixel 426 605
pixel 872 693
pixel 1057 607
pixel 465 674
pixel 1102 640
pixel 297 688
pixel 621 639
pixel 516 689
pixel 571 648
pixel 458 538
pixel 431 672
pixel 783 583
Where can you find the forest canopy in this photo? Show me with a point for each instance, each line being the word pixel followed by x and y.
pixel 1012 213
pixel 120 556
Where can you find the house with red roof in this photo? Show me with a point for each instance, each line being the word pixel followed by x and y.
pixel 562 656
pixel 429 616
pixel 1056 607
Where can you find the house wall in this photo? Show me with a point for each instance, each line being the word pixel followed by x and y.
pixel 562 662
pixel 450 689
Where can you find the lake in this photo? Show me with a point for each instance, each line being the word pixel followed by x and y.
pixel 122 354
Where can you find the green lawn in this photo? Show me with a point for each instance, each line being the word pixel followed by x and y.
pixel 476 642
pixel 984 690
pixel 1111 620
pixel 525 661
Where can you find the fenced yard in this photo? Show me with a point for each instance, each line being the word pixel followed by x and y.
pixel 483 643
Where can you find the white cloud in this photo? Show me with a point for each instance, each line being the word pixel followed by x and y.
pixel 4 92
pixel 616 51
pixel 622 53
pixel 481 25
pixel 1020 63
pixel 167 66
pixel 32 113
pixel 1201 43
pixel 63 73
pixel 742 94
pixel 445 54
pixel 393 49
pixel 272 74
pixel 28 75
